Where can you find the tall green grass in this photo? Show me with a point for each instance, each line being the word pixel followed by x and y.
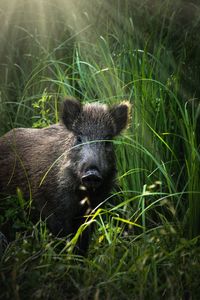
pixel 147 239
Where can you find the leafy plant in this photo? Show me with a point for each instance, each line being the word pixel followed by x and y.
pixel 42 112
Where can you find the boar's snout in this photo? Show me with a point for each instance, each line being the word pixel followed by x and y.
pixel 92 178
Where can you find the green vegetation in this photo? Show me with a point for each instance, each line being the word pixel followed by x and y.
pixel 146 243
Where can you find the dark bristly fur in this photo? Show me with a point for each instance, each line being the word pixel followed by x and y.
pixel 49 164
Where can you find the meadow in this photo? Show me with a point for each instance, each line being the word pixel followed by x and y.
pixel 147 239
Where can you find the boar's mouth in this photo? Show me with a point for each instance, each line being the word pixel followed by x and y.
pixel 91 179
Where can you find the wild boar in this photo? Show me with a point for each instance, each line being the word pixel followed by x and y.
pixel 60 165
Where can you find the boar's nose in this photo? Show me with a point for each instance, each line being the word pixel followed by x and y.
pixel 91 179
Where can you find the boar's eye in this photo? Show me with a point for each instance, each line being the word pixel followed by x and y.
pixel 108 138
pixel 79 139
pixel 108 142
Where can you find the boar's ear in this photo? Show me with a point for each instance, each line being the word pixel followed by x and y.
pixel 121 115
pixel 70 110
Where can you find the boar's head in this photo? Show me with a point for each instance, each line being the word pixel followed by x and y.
pixel 94 126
